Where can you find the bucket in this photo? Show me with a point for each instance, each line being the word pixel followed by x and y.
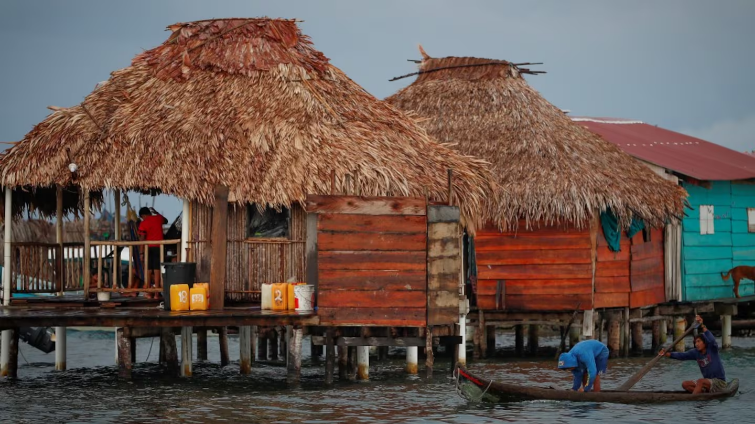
pixel 103 296
pixel 304 297
pixel 176 273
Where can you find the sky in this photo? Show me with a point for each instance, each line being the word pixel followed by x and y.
pixel 682 65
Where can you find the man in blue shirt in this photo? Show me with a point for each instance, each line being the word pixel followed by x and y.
pixel 586 360
pixel 705 353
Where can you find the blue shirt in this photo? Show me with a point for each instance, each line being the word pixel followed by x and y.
pixel 710 363
pixel 586 352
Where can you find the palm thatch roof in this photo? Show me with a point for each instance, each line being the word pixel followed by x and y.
pixel 552 170
pixel 246 103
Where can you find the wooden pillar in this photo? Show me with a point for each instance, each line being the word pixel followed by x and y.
pixel 664 332
pixel 262 344
pixel 636 329
pixel 124 354
pixel 519 339
pixel 185 230
pixel 481 337
pixel 133 349
pixel 534 338
pixel 351 366
pixel 60 332
pixel 656 341
pixel 412 355
pixel 201 342
pixel 253 346
pixel 429 356
pixel 294 355
pixel 13 355
pixel 7 335
pixel 87 271
pixel 382 352
pixel 601 324
pixel 614 336
pixel 626 334
pixel 223 340
pixel 316 350
pixel 186 354
pixel 680 325
pixel 116 269
pixel 363 363
pixel 726 331
pixel 283 336
pixel 245 349
pixel 330 355
pixel 574 333
pixel 272 344
pixel 490 343
pixel 219 246
pixel 170 351
pixel 343 362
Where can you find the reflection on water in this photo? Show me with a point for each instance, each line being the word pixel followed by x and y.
pixel 215 394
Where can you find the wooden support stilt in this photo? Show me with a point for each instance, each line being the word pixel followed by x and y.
pixel 253 346
pixel 60 348
pixel 490 343
pixel 316 350
pixel 170 351
pixel 272 344
pixel 202 344
pixel 614 336
pixel 330 355
pixel 664 332
pixel 294 354
pixel 60 332
pixel 382 353
pixel 219 246
pixel 133 350
pixel 223 340
pixel 262 344
pixel 519 340
pixel 626 334
pixel 656 340
pixel 483 337
pixel 125 364
pixel 588 324
pixel 363 363
pixel 13 355
pixel 245 349
pixel 283 340
pixel 186 351
pixel 636 332
pixel 343 362
pixel 680 325
pixel 412 358
pixel 351 368
pixel 726 331
pixel 429 356
pixel 574 333
pixel 534 338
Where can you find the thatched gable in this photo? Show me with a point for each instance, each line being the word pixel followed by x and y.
pixel 551 169
pixel 247 103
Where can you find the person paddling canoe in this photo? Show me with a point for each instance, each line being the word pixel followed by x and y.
pixel 705 353
pixel 586 360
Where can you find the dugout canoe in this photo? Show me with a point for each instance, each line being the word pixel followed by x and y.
pixel 479 389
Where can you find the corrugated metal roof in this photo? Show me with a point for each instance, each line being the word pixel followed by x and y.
pixel 681 153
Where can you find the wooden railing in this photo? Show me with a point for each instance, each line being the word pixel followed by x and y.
pixel 46 267
pixel 109 278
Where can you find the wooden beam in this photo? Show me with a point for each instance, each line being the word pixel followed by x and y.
pixel 87 245
pixel 219 245
pixel 366 205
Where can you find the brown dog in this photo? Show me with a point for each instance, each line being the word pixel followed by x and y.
pixel 737 274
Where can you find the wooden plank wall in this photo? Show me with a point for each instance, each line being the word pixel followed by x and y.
pixel 443 265
pixel 545 269
pixel 371 260
pixel 612 284
pixel 647 274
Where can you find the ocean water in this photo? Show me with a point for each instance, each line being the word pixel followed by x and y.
pixel 90 390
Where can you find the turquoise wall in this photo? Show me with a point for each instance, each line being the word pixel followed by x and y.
pixel 704 257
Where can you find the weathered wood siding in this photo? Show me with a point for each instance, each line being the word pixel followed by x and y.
pixel 443 265
pixel 371 260
pixel 250 262
pixel 647 274
pixel 545 269
pixel 705 256
pixel 612 286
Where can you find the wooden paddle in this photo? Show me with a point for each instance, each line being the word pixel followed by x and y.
pixel 641 373
pixel 562 346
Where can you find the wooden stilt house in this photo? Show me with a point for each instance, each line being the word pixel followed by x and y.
pixel 543 248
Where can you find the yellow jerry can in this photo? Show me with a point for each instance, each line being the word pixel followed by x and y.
pixel 290 297
pixel 206 287
pixel 279 296
pixel 179 297
pixel 198 299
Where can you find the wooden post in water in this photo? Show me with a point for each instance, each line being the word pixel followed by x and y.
pixel 124 354
pixel 60 332
pixel 429 356
pixel 382 353
pixel 343 362
pixel 87 271
pixel 490 342
pixel 223 340
pixel 186 354
pixel 219 246
pixel 202 343
pixel 285 334
pixel 253 346
pixel 13 355
pixel 412 355
pixel 481 337
pixel 272 344
pixel 726 331
pixel 663 332
pixel 656 341
pixel 626 333
pixel 680 325
pixel 363 363
pixel 574 334
pixel 133 350
pixel 8 233
pixel 614 336
pixel 294 355
pixel 533 340
pixel 519 339
pixel 262 343
pixel 636 331
pixel 351 368
pixel 330 355
pixel 245 349
pixel 169 349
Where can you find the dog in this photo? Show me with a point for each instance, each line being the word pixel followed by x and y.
pixel 737 274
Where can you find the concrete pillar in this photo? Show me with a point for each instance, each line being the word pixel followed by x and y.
pixel 726 331
pixel 363 363
pixel 680 325
pixel 411 359
pixel 245 349
pixel 7 335
pixel 294 354
pixel 574 331
pixel 186 351
pixel 462 350
pixel 588 324
pixel 60 348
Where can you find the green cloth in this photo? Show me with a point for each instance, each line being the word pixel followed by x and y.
pixel 610 224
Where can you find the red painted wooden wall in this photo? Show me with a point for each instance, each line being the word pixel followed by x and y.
pixel 612 274
pixel 647 270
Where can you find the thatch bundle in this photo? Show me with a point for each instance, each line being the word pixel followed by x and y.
pixel 246 103
pixel 552 170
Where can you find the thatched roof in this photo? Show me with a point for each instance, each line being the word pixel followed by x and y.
pixel 551 169
pixel 246 103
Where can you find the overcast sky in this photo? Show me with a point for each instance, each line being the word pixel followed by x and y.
pixel 682 65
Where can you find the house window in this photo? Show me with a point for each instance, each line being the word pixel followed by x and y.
pixel 706 219
pixel 269 223
pixel 751 220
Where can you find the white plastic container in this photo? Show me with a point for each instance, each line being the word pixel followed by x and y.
pixel 304 295
pixel 267 296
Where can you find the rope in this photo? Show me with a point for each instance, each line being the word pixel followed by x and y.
pixel 150 350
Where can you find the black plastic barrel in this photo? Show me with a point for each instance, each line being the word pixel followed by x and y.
pixel 176 273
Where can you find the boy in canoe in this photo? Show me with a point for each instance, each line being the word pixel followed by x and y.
pixel 705 353
pixel 586 360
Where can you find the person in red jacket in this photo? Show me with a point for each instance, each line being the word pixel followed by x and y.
pixel 151 228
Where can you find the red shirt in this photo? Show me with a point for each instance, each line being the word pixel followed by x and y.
pixel 151 228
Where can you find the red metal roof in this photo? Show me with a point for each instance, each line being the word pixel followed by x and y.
pixel 681 153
